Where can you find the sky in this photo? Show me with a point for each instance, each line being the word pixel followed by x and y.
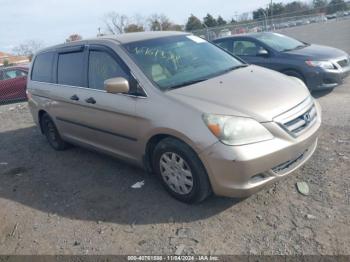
pixel 52 21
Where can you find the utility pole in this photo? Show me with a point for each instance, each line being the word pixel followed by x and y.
pixel 271 13
pixel 207 31
pixel 271 9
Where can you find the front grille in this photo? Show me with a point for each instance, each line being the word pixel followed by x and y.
pixel 344 62
pixel 299 119
pixel 297 125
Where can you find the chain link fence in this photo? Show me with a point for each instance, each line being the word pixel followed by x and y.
pixel 268 24
pixel 13 82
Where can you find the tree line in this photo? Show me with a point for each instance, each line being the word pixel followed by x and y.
pixel 115 23
pixel 298 7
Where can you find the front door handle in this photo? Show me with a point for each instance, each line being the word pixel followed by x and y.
pixel 90 100
pixel 74 97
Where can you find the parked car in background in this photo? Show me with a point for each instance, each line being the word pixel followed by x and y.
pixel 225 32
pixel 331 16
pixel 197 117
pixel 320 67
pixel 13 82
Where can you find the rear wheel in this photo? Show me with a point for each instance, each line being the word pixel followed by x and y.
pixel 51 133
pixel 181 171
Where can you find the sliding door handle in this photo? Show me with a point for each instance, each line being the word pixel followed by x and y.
pixel 90 100
pixel 74 97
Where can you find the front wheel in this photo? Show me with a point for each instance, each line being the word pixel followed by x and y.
pixel 181 171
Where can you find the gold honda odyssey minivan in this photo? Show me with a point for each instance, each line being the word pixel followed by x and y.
pixel 199 118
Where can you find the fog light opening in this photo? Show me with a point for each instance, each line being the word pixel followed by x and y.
pixel 257 178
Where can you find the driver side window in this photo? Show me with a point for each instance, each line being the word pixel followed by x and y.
pixel 102 66
pixel 246 48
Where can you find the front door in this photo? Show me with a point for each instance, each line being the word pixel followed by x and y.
pixel 251 52
pixel 88 113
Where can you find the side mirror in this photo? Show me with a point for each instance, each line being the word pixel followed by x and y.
pixel 117 85
pixel 263 52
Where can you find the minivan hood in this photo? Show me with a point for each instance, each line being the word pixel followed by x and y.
pixel 252 91
pixel 319 52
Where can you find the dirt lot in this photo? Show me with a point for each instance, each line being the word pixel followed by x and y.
pixel 81 202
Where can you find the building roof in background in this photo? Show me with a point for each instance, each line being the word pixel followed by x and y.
pixel 12 59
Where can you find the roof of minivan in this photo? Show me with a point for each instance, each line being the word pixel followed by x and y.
pixel 140 36
pixel 122 38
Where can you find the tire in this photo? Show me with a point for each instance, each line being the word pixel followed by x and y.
pixel 50 131
pixel 176 175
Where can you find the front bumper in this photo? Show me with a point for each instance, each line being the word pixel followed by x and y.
pixel 321 79
pixel 240 171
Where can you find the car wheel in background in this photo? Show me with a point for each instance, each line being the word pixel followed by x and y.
pixel 294 74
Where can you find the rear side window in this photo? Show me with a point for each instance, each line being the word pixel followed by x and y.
pixel 42 68
pixel 15 73
pixel 102 66
pixel 70 69
pixel 225 44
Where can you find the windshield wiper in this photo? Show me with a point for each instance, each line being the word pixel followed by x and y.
pixel 187 83
pixel 235 67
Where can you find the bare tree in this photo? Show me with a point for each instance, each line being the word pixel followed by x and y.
pixel 116 23
pixel 28 48
pixel 160 22
pixel 74 37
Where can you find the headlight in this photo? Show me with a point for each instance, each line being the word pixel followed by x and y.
pixel 232 130
pixel 322 64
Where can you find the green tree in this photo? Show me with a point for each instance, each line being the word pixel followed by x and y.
pixel 221 21
pixel 296 7
pixel 336 6
pixel 276 9
pixel 259 13
pixel 232 21
pixel 6 63
pixel 210 21
pixel 320 5
pixel 193 23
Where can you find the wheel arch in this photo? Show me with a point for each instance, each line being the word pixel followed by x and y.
pixel 156 138
pixel 293 70
pixel 41 112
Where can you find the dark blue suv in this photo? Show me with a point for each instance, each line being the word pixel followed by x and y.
pixel 320 67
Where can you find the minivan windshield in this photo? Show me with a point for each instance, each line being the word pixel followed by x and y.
pixel 280 43
pixel 178 61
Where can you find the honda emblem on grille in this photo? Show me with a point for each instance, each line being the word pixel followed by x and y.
pixel 307 118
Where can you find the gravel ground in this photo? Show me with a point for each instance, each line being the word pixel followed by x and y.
pixel 81 202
